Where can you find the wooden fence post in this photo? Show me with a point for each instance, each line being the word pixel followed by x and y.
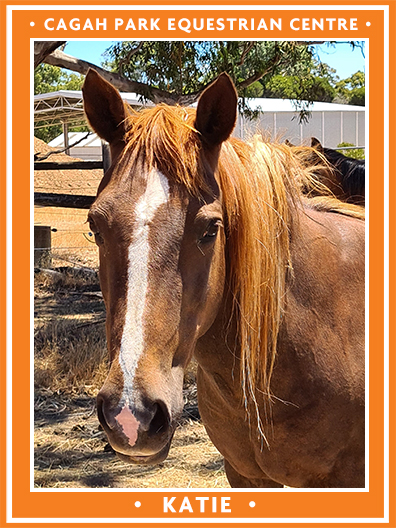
pixel 42 246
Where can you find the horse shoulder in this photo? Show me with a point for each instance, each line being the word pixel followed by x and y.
pixel 325 299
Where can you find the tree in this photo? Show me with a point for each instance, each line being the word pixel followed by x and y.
pixel 292 87
pixel 177 72
pixel 51 79
pixel 42 48
pixel 314 82
pixel 184 69
pixel 352 89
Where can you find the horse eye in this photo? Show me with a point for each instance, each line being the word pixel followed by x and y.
pixel 211 231
pixel 96 234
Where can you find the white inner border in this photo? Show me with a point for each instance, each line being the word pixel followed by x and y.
pixel 168 491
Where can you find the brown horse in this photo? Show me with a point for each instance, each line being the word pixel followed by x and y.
pixel 207 246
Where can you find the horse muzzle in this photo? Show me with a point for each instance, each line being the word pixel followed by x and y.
pixel 139 433
pixel 148 460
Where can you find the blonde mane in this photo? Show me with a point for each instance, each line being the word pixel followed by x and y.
pixel 261 185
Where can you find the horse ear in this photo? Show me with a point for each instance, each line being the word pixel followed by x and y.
pixel 217 111
pixel 315 143
pixel 103 107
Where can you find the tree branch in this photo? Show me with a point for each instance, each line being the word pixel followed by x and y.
pixel 44 48
pixel 260 74
pixel 126 61
pixel 248 46
pixel 62 60
pixel 156 95
pixel 39 157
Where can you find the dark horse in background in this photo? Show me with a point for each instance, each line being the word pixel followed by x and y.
pixel 207 246
pixel 343 176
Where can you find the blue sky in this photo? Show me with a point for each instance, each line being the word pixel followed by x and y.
pixel 341 56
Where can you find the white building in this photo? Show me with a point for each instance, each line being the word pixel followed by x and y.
pixel 331 123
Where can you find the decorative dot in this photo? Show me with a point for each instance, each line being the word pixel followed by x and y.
pixel 138 504
pixel 252 504
pixel 32 24
pixel 368 23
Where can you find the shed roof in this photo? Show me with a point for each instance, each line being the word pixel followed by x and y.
pixel 66 106
pixel 286 105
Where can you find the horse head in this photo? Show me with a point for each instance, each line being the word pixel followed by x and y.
pixel 158 222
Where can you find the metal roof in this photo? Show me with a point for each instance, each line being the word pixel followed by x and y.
pixel 66 106
pixel 286 105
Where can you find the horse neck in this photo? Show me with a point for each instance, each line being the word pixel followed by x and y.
pixel 299 346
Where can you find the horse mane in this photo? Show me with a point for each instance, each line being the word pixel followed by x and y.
pixel 261 185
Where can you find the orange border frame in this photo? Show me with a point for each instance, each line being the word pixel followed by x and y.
pixel 326 504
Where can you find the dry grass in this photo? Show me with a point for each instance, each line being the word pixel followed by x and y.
pixel 70 366
pixel 70 347
pixel 71 358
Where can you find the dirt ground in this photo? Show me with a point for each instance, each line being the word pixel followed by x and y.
pixel 71 450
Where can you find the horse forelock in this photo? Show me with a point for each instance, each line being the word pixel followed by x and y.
pixel 164 138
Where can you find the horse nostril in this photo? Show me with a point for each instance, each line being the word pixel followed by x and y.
pixel 161 420
pixel 145 424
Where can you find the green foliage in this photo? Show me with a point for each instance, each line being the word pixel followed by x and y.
pixel 258 68
pixel 352 153
pixel 48 79
pixel 170 66
pixel 292 87
pixel 48 133
pixel 352 89
pixel 319 84
pixel 313 81
pixel 187 67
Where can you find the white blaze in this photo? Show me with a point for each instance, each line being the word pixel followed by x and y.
pixel 132 341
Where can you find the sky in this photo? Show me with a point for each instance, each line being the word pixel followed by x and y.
pixel 341 56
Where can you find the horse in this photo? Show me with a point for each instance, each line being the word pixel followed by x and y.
pixel 344 177
pixel 207 246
